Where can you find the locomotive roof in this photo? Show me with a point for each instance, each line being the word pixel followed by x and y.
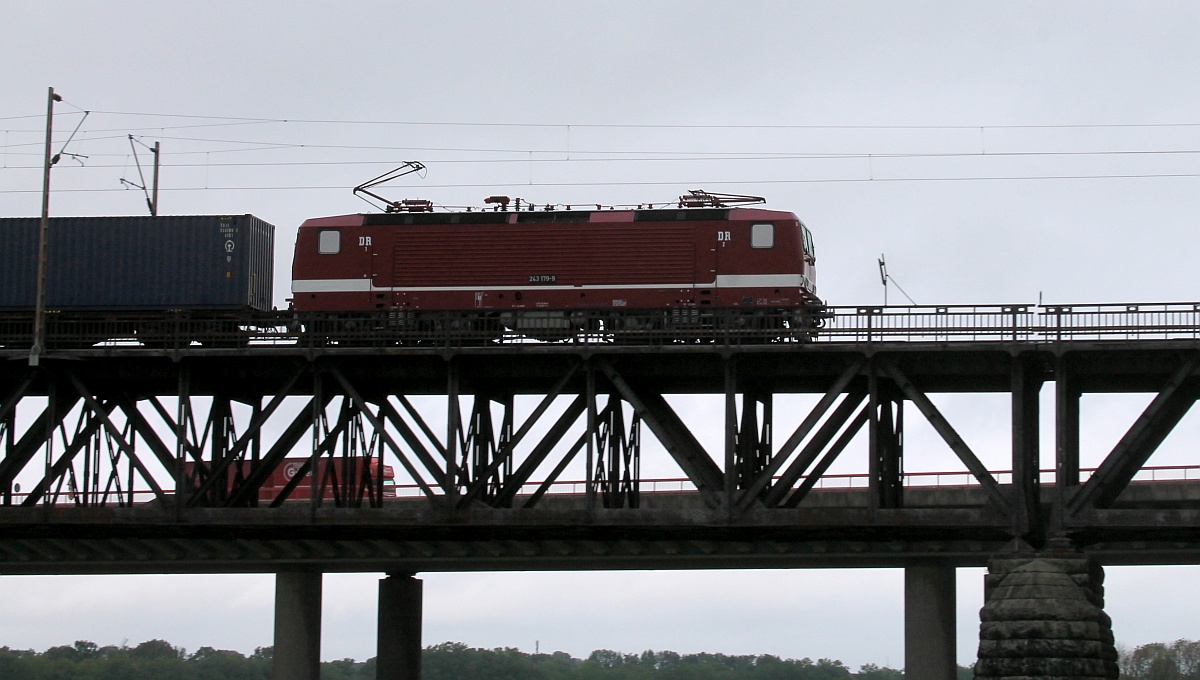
pixel 556 216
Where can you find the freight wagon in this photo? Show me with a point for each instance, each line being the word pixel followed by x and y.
pixel 109 273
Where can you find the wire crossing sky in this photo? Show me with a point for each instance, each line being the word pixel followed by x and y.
pixel 997 153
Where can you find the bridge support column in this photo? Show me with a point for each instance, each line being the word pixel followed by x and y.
pixel 297 654
pixel 929 621
pixel 1043 615
pixel 398 654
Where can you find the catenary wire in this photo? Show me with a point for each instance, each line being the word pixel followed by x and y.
pixel 334 121
pixel 667 156
pixel 837 180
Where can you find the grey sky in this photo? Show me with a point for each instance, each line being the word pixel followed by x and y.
pixel 993 151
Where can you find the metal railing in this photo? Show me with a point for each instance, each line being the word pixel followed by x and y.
pixel 686 326
pixel 1012 323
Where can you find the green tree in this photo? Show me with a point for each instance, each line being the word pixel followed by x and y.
pixel 156 649
pixel 223 664
pixel 1187 658
pixel 872 672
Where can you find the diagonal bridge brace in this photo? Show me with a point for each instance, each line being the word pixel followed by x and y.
pixel 813 449
pixel 755 490
pixel 376 423
pixel 948 434
pixel 393 416
pixel 21 451
pixel 9 403
pixel 506 455
pixel 66 458
pixel 242 495
pixel 216 474
pixel 828 459
pixel 674 435
pixel 1133 450
pixel 103 413
pixel 541 451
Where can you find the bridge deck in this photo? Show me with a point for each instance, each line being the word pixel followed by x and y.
pixel 92 430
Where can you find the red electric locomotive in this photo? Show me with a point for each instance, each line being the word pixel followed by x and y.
pixel 550 273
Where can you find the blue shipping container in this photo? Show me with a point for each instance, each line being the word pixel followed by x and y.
pixel 191 262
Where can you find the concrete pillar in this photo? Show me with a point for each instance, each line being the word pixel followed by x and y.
pixel 398 651
pixel 297 654
pixel 929 622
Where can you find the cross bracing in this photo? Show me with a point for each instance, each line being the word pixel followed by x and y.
pixel 537 456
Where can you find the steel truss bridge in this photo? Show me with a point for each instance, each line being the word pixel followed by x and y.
pixel 126 456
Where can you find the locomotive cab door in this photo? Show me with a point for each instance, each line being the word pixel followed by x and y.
pixel 380 270
pixel 343 261
pixel 707 249
pixel 725 261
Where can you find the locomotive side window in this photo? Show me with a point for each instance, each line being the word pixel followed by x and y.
pixel 329 242
pixel 762 235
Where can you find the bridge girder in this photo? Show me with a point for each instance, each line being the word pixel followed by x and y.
pixel 485 441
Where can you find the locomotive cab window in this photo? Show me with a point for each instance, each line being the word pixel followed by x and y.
pixel 808 244
pixel 762 235
pixel 329 241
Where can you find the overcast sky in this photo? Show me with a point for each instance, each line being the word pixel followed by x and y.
pixel 995 152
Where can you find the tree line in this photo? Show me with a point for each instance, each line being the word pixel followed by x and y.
pixel 1179 660
pixel 159 660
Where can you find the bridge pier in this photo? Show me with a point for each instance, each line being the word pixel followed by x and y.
pixel 297 654
pixel 929 621
pixel 398 651
pixel 1043 615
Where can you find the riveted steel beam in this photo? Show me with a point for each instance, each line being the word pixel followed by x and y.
pixel 674 435
pixel 616 477
pixel 121 437
pixel 247 493
pixel 1026 484
pixel 949 435
pixel 393 417
pixel 39 432
pixel 836 390
pixel 381 431
pixel 885 468
pixel 1137 445
pixel 813 449
pixel 855 425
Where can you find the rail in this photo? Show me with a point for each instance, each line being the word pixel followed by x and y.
pixel 667 485
pixel 849 325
